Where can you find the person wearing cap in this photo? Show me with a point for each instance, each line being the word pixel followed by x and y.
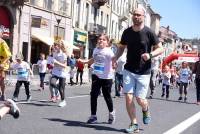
pixel 23 76
pixel 5 55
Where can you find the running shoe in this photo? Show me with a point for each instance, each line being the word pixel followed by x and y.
pixel 133 128
pixel 62 103
pixel 28 98
pixel 14 109
pixel 180 98
pixel 92 119
pixel 146 116
pixel 111 117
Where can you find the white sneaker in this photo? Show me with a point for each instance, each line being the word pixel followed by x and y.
pixel 14 109
pixel 62 103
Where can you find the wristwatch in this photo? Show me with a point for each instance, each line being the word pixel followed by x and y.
pixel 150 55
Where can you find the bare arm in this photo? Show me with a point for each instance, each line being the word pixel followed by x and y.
pixel 120 51
pixel 89 61
pixel 157 51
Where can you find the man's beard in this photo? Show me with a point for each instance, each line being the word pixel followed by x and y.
pixel 137 22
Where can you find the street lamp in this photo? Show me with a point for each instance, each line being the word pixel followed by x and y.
pixel 58 20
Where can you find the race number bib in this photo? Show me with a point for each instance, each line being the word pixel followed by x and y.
pixel 99 68
pixel 22 74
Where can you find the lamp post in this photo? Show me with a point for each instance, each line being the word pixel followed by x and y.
pixel 58 20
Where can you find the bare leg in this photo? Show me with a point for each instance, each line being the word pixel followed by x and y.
pixel 143 103
pixel 4 110
pixel 130 107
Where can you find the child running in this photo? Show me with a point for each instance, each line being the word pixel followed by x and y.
pixel 166 82
pixel 42 64
pixel 23 76
pixel 102 76
pixel 59 72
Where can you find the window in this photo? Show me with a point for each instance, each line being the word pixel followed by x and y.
pixel 87 16
pixel 63 7
pixel 107 23
pixel 48 4
pixel 101 18
pixel 38 3
pixel 77 19
pixel 59 31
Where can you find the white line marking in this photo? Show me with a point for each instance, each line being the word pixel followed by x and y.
pixel 184 125
pixel 24 102
pixel 78 96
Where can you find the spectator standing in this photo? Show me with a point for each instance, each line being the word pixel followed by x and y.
pixel 80 68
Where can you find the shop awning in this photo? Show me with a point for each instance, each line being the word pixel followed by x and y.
pixel 45 39
pixel 49 41
pixel 69 45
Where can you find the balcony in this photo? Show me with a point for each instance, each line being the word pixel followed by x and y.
pixel 96 28
pixel 99 3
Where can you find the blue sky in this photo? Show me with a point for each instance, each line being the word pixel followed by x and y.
pixel 182 16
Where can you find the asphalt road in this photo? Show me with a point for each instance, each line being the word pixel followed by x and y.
pixel 43 117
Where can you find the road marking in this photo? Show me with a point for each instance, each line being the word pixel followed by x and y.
pixel 184 125
pixel 24 102
pixel 78 96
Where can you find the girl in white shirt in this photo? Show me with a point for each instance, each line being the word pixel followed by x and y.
pixel 59 71
pixel 102 76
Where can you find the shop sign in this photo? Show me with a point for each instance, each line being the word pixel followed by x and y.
pixel 44 23
pixel 36 21
pixel 80 38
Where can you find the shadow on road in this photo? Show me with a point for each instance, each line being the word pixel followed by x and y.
pixel 96 126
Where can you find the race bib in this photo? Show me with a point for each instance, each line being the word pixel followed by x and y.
pixel 99 68
pixel 22 74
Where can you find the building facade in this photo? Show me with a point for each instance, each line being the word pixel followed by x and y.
pixel 40 23
pixel 78 22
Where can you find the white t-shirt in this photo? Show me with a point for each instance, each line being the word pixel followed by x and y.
pixel 23 69
pixel 166 78
pixel 184 74
pixel 155 63
pixel 102 66
pixel 120 64
pixel 58 70
pixel 42 64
